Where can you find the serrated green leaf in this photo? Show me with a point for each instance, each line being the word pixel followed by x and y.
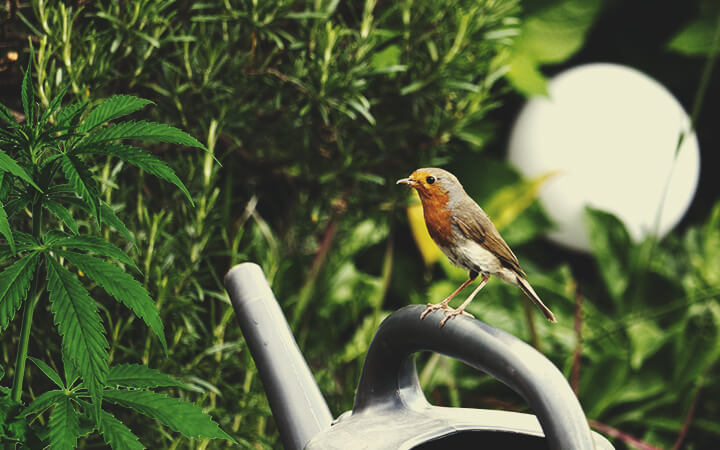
pixel 7 116
pixel 7 164
pixel 139 376
pixel 61 213
pixel 64 426
pixel 116 434
pixel 110 218
pixel 48 371
pixel 83 338
pixel 123 287
pixel 14 285
pixel 94 244
pixel 174 413
pixel 70 114
pixel 143 131
pixel 142 159
pixel 112 108
pixel 5 229
pixel 43 402
pixel 26 91
pixel 79 176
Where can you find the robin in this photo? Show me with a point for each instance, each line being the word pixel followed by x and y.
pixel 467 237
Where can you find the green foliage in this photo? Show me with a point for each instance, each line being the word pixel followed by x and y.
pixel 57 141
pixel 314 109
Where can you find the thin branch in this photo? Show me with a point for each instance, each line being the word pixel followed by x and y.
pixel 626 438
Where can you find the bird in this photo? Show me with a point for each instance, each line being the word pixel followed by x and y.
pixel 467 236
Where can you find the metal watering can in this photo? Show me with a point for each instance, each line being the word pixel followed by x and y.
pixel 390 410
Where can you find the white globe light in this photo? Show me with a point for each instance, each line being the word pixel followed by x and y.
pixel 611 132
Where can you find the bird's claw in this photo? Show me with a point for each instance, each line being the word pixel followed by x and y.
pixel 432 307
pixel 450 313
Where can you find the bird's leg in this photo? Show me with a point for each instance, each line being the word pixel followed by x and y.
pixel 450 313
pixel 444 304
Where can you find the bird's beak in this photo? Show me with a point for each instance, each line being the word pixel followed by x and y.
pixel 408 181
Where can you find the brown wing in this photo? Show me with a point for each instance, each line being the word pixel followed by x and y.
pixel 474 224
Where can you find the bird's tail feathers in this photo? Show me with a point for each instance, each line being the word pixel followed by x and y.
pixel 530 293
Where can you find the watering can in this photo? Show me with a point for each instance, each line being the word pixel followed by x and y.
pixel 390 409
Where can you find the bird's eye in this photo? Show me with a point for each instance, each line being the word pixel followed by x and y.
pixel 430 179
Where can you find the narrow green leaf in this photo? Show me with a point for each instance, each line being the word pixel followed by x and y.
pixel 5 228
pixel 112 108
pixel 611 245
pixel 143 160
pixel 122 286
pixel 43 402
pixel 48 371
pixel 26 91
pixel 81 179
pixel 14 285
pixel 116 434
pixel 7 116
pixel 64 426
pixel 174 413
pixel 7 164
pixel 16 205
pixel 83 338
pixel 110 218
pixel 53 106
pixel 139 376
pixel 144 131
pixel 62 213
pixel 96 245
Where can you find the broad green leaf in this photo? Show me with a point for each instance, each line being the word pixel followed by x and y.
pixel 174 413
pixel 7 164
pixel 696 39
pixel 44 401
pixel 110 218
pixel 139 376
pixel 5 228
pixel 14 286
pixel 116 434
pixel 26 91
pixel 79 176
pixel 646 338
pixel 611 245
pixel 96 245
pixel 62 213
pixel 122 286
pixel 64 425
pixel 143 160
pixel 48 371
pixel 525 76
pixel 141 130
pixel 697 349
pixel 112 108
pixel 79 324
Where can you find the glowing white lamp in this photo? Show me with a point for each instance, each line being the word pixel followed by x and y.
pixel 612 133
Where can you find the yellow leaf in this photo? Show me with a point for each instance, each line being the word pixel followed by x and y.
pixel 429 251
pixel 511 201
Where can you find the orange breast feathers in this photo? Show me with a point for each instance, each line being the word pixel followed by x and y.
pixel 437 217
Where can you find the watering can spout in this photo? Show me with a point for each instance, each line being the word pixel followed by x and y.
pixel 299 409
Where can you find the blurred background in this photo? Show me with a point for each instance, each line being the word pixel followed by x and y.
pixel 314 109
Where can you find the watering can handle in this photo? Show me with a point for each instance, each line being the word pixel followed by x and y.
pixel 389 377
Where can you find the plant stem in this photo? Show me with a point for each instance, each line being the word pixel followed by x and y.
pixel 28 311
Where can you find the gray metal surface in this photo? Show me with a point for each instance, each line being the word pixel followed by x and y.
pixel 298 407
